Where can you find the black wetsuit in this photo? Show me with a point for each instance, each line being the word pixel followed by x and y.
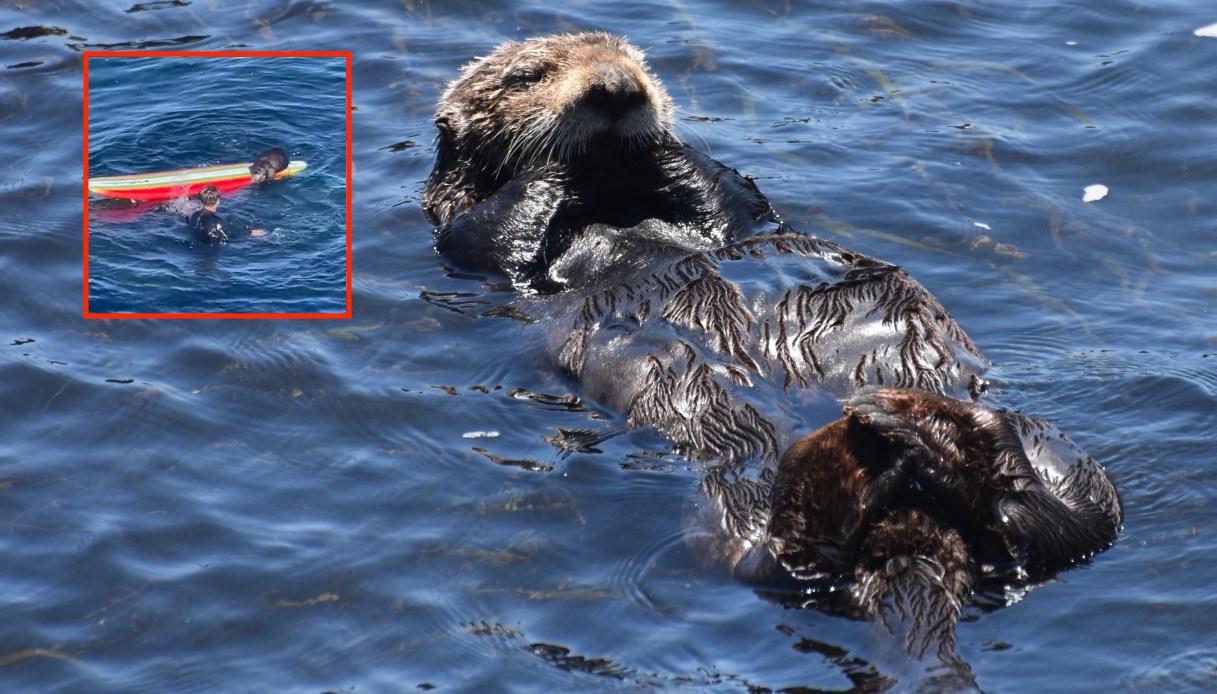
pixel 208 225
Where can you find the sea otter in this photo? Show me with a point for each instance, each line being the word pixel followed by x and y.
pixel 667 288
pixel 267 164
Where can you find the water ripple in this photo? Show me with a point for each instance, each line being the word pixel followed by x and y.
pixel 331 505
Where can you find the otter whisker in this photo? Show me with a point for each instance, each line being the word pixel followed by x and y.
pixel 521 146
pixel 536 138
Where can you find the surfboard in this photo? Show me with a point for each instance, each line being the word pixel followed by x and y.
pixel 167 185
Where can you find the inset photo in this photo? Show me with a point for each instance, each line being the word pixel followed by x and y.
pixel 217 185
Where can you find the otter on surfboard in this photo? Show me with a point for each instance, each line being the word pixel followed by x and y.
pixel 167 185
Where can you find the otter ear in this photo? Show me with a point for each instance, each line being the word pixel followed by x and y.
pixel 444 127
pixel 445 145
pixel 437 205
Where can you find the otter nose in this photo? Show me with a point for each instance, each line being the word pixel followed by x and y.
pixel 614 91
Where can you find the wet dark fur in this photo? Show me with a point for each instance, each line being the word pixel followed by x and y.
pixel 535 228
pixel 669 290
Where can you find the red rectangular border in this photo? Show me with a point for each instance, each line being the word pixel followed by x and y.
pixel 215 54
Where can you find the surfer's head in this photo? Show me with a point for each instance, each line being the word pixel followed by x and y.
pixel 210 197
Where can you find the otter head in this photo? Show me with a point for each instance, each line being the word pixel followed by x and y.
pixel 267 164
pixel 261 173
pixel 539 102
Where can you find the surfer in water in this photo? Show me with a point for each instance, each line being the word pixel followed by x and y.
pixel 205 221
pixel 207 224
pixel 199 210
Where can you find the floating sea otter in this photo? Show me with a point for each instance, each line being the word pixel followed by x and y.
pixel 669 290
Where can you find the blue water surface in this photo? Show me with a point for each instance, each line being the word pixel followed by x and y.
pixel 168 112
pixel 373 505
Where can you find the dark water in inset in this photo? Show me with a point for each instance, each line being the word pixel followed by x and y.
pixel 371 505
pixel 168 112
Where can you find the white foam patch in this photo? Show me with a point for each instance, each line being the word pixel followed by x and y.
pixel 183 206
pixel 1209 31
pixel 1094 192
pixel 480 434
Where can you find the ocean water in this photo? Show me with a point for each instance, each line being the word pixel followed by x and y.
pixel 170 112
pixel 372 505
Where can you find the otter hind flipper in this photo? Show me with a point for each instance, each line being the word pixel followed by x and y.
pixel 1071 510
pixel 1001 472
pixel 831 487
pixel 843 508
pixel 912 576
pixel 868 409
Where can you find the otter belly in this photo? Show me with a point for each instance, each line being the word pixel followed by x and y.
pixel 727 352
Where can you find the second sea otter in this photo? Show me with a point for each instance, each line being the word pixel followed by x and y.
pixel 669 290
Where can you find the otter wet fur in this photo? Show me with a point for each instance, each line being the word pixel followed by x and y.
pixel 666 287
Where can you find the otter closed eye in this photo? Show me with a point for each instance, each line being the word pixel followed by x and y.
pixel 522 77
